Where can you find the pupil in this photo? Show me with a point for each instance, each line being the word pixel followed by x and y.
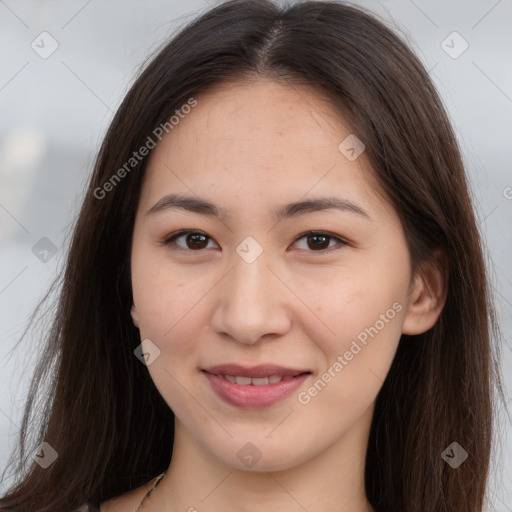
pixel 317 237
pixel 196 236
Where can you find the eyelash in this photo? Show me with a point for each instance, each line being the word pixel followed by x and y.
pixel 172 237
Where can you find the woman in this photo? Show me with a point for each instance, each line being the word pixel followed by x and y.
pixel 275 295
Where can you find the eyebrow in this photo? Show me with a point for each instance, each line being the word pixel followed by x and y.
pixel 203 207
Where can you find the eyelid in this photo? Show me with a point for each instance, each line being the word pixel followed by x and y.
pixel 317 232
pixel 177 234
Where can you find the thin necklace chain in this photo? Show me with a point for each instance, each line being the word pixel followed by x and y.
pixel 371 509
pixel 149 492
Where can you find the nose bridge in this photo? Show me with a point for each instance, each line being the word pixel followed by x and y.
pixel 251 281
pixel 251 303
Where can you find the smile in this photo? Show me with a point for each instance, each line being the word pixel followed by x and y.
pixel 256 381
pixel 255 387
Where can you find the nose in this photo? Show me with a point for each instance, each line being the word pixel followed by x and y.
pixel 253 303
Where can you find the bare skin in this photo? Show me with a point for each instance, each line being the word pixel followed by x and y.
pixel 251 148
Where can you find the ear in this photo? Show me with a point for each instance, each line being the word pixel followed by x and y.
pixel 135 318
pixel 427 296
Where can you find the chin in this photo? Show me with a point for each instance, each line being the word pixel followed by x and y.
pixel 262 455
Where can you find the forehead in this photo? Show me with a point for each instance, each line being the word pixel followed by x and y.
pixel 252 139
pixel 263 109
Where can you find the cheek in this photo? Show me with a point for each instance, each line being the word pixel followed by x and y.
pixel 168 304
pixel 164 295
pixel 361 317
pixel 352 302
pixel 356 363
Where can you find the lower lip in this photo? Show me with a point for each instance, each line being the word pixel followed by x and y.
pixel 254 396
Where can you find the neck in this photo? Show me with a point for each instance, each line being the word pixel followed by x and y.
pixel 331 481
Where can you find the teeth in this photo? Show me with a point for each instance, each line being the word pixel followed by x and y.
pixel 256 381
pixel 260 381
pixel 244 381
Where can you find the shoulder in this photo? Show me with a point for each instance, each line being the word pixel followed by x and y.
pixel 129 501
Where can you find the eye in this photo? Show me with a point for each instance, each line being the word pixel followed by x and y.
pixel 321 240
pixel 195 241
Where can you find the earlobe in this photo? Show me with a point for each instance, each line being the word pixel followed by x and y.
pixel 135 318
pixel 427 298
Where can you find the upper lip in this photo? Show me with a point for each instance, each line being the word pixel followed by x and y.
pixel 262 370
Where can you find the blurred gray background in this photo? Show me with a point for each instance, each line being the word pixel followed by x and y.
pixel 64 68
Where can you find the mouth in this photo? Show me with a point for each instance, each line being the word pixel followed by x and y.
pixel 255 381
pixel 260 375
pixel 257 386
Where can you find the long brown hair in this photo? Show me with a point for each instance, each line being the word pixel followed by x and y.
pixel 100 402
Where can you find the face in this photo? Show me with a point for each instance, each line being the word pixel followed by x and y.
pixel 302 310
